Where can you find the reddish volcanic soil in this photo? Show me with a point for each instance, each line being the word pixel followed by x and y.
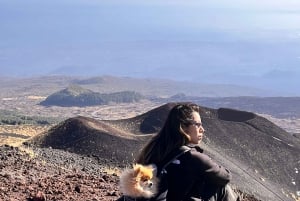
pixel 54 175
pixel 253 148
pixel 48 174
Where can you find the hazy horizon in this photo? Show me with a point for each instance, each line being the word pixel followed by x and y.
pixel 248 43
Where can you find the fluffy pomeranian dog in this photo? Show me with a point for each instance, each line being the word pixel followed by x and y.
pixel 139 181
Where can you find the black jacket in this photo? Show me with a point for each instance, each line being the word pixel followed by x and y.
pixel 192 174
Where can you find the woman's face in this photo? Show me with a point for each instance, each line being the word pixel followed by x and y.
pixel 195 129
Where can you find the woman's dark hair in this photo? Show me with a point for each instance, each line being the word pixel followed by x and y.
pixel 171 136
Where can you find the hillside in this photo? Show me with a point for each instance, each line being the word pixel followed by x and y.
pixel 87 136
pixel 79 96
pixel 281 107
pixel 47 85
pixel 251 146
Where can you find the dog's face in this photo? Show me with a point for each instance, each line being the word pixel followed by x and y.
pixel 140 181
pixel 144 175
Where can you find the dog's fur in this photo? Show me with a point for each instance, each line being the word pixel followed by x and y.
pixel 139 181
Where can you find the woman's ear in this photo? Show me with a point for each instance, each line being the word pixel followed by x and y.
pixel 184 132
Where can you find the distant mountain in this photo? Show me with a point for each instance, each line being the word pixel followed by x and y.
pixel 167 87
pixel 280 107
pixel 235 62
pixel 282 82
pixel 78 96
pixel 48 85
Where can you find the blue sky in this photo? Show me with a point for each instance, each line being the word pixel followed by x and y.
pixel 231 41
pixel 137 20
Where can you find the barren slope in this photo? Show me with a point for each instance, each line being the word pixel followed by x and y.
pixel 262 156
pixel 52 175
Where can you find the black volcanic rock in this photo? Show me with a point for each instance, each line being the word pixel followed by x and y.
pixel 87 136
pixel 227 114
pixel 255 149
pixel 153 120
pixel 147 123
pixel 262 157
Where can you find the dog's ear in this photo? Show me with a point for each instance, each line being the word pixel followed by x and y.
pixel 154 168
pixel 136 170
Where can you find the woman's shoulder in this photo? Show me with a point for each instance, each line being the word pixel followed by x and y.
pixel 196 155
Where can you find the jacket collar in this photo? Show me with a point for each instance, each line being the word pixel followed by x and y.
pixel 195 146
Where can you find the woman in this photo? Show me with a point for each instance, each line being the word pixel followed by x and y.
pixel 193 176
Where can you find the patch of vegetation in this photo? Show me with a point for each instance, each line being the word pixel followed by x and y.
pixel 14 118
pixel 78 96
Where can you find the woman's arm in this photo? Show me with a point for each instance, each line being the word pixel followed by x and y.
pixel 210 170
